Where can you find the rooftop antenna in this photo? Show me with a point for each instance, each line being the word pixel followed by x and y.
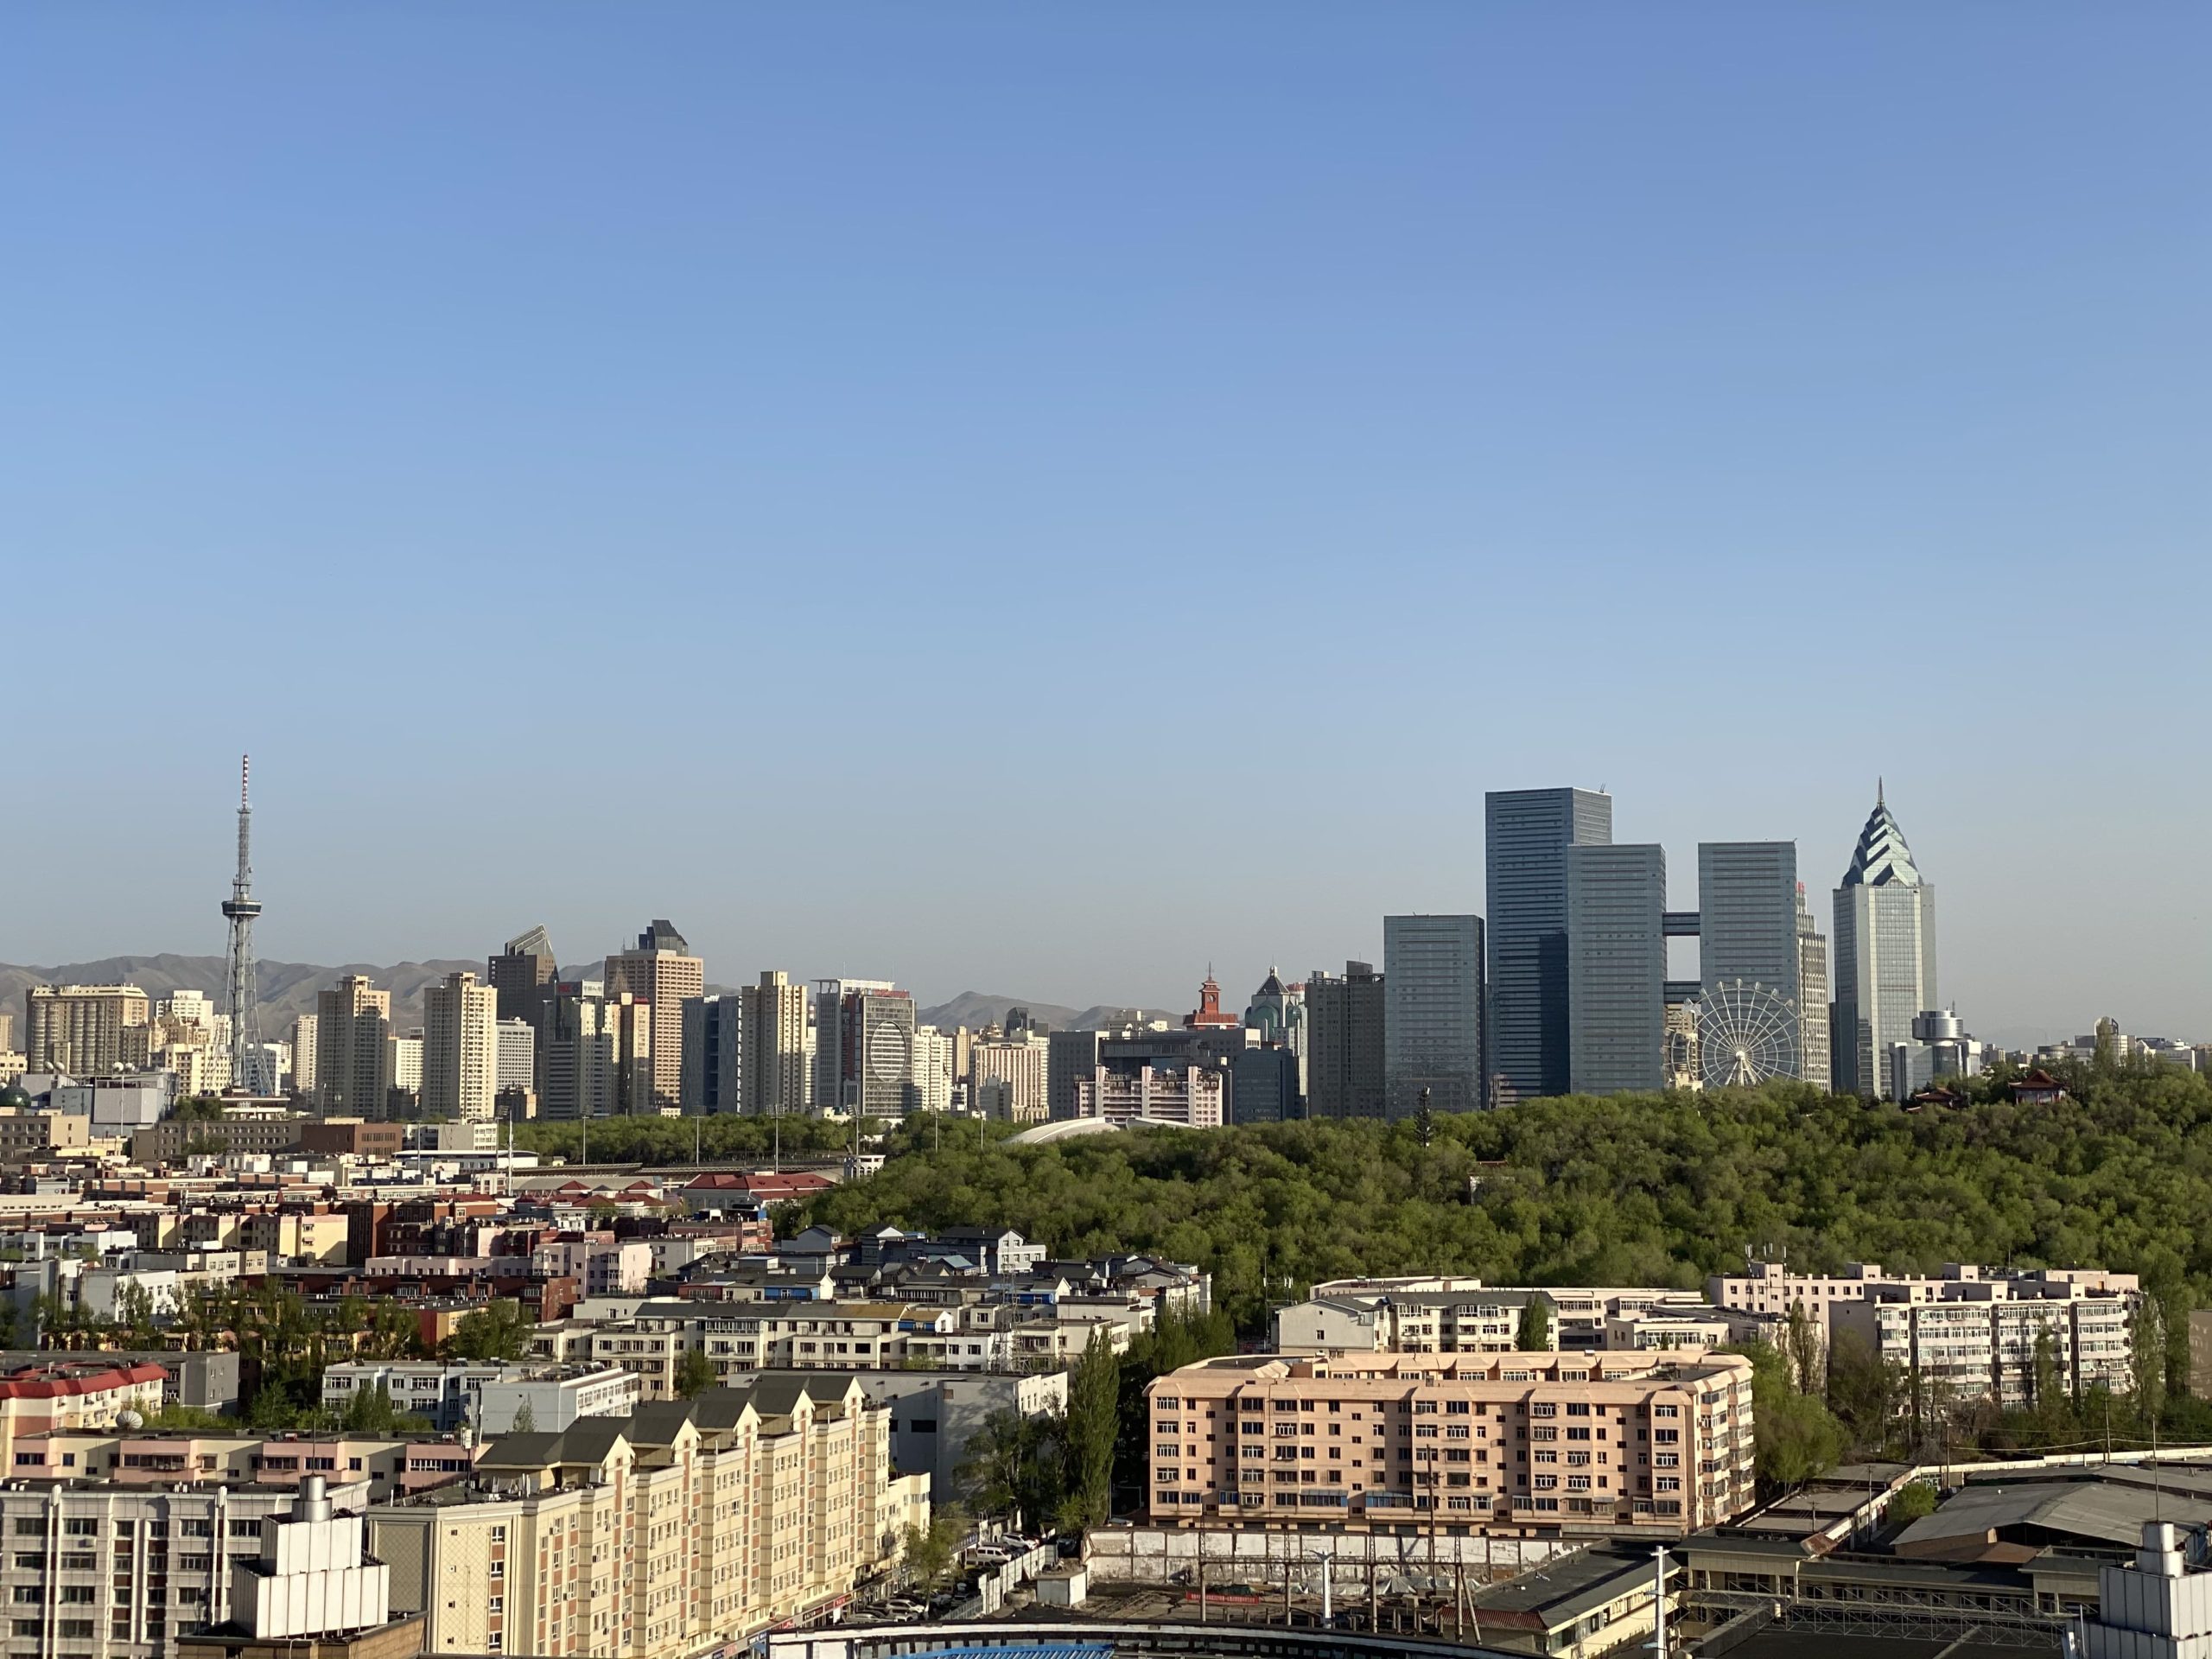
pixel 240 908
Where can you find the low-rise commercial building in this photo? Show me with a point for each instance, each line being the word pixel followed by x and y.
pixel 1636 1442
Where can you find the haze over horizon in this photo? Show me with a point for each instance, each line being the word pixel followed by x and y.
pixel 1036 502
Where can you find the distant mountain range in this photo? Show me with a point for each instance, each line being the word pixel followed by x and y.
pixel 976 1009
pixel 288 989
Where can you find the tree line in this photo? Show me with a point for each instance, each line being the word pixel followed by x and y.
pixel 1661 1189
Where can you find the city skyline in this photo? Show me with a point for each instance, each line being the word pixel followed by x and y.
pixel 1501 399
pixel 1170 990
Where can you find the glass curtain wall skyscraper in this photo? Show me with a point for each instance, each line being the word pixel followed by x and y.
pixel 1526 834
pixel 1884 954
pixel 1433 1013
pixel 1617 967
pixel 1748 940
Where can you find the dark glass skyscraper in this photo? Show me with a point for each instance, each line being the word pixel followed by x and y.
pixel 1526 833
pixel 1617 967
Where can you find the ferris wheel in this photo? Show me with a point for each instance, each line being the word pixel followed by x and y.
pixel 1747 1033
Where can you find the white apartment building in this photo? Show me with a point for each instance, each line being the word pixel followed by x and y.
pixel 488 1397
pixel 460 1048
pixel 1457 1315
pixel 100 1567
pixel 931 1070
pixel 407 1062
pixel 517 1047
pixel 1968 1332
pixel 1191 1096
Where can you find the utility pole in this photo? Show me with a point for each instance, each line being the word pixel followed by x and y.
pixel 1658 1642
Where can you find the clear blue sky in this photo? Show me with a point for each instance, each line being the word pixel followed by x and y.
pixel 1039 497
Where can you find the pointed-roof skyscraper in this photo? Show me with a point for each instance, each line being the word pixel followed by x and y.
pixel 1885 953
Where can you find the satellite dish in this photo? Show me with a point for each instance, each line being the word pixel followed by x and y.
pixel 128 1420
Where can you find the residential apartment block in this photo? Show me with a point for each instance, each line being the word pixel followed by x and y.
pixel 684 1526
pixel 1449 1315
pixel 84 1030
pixel 96 1567
pixel 1541 1441
pixel 486 1398
pixel 1968 1332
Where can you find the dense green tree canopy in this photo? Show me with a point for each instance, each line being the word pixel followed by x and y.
pixel 1636 1189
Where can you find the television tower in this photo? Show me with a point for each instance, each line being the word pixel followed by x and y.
pixel 240 908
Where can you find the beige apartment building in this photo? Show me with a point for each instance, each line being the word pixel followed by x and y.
pixel 303 1055
pixel 778 1065
pixel 688 1524
pixel 1657 1444
pixel 661 971
pixel 460 1048
pixel 86 1030
pixel 1013 1073
pixel 352 1047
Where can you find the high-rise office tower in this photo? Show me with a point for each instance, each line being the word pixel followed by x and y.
pixel 521 973
pixel 575 1053
pixel 460 1048
pixel 1749 967
pixel 1071 1057
pixel 84 1030
pixel 594 1053
pixel 875 1041
pixel 1617 967
pixel 1812 995
pixel 635 1025
pixel 1526 833
pixel 714 1050
pixel 1433 1000
pixel 1345 1019
pixel 831 999
pixel 662 971
pixel 776 1077
pixel 1277 1013
pixel 517 1050
pixel 1884 954
pixel 353 1049
pixel 303 1055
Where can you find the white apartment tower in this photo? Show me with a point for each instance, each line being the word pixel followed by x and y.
pixel 460 1048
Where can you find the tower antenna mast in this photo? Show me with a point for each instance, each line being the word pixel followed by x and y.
pixel 247 1059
